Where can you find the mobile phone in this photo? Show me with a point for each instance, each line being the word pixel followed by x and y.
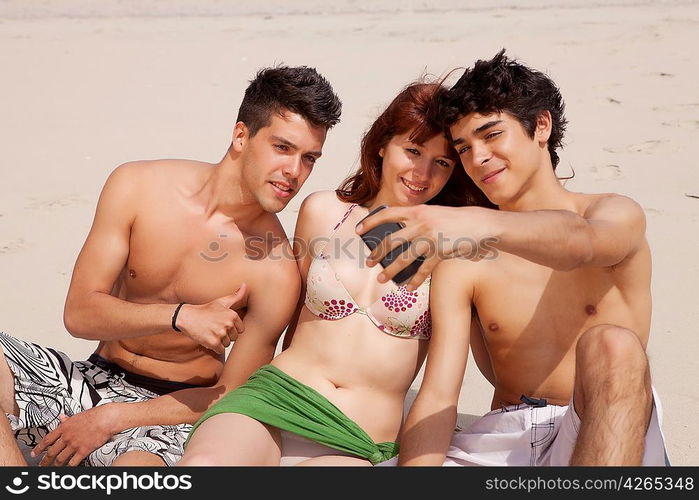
pixel 374 236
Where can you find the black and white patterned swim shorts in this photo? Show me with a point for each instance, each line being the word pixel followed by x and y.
pixel 48 383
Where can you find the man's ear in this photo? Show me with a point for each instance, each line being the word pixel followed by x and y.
pixel 542 132
pixel 240 137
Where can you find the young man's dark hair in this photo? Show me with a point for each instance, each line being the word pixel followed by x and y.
pixel 301 90
pixel 502 84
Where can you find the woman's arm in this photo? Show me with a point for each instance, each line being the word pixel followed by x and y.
pixel 432 417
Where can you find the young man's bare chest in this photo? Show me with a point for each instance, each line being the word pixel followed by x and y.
pixel 533 315
pixel 516 295
pixel 179 257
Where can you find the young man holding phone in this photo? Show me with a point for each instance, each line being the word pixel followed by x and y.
pixel 565 307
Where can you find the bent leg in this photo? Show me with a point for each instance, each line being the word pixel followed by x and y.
pixel 9 452
pixel 612 397
pixel 233 439
pixel 7 387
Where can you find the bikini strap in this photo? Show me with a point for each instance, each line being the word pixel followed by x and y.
pixel 344 217
pixel 337 226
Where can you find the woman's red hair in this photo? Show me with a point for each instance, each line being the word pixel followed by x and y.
pixel 409 111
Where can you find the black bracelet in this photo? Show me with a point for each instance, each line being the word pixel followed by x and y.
pixel 174 317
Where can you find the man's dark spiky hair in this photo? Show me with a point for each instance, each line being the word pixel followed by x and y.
pixel 502 84
pixel 299 89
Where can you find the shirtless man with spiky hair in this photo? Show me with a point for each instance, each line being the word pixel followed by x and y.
pixel 166 282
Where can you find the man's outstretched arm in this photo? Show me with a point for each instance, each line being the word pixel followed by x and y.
pixel 432 417
pixel 610 230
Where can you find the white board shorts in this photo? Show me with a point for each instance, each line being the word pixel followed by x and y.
pixel 524 435
pixel 527 435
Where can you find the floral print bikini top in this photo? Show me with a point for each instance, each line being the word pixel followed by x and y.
pixel 399 312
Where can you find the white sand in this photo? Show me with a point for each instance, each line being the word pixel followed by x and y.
pixel 88 85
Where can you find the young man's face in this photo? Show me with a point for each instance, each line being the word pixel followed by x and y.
pixel 498 154
pixel 279 159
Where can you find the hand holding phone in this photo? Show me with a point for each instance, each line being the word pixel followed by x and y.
pixel 374 236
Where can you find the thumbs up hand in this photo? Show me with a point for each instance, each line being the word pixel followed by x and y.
pixel 216 324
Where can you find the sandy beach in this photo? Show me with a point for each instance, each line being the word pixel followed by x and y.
pixel 87 86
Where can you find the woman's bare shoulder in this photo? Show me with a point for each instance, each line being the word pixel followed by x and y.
pixel 319 212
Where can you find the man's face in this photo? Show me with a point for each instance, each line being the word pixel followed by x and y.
pixel 279 159
pixel 498 154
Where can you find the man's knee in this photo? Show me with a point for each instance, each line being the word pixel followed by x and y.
pixel 611 346
pixel 7 386
pixel 611 362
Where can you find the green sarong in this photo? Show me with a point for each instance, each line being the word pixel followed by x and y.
pixel 274 398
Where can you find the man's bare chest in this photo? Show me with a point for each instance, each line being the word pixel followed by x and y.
pixel 187 261
pixel 519 299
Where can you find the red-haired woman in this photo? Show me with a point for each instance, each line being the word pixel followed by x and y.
pixel 335 395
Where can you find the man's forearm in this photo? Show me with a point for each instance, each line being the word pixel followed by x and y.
pixel 100 316
pixel 187 405
pixel 183 406
pixel 559 239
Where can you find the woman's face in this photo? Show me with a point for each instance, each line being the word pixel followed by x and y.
pixel 412 173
